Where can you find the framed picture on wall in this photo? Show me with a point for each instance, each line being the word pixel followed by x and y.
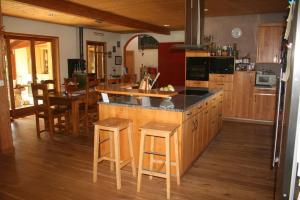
pixel 118 43
pixel 114 49
pixel 109 54
pixel 118 60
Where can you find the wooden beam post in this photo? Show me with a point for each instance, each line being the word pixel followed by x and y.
pixel 6 142
pixel 92 13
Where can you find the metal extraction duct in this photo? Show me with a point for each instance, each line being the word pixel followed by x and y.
pixel 194 25
pixel 81 42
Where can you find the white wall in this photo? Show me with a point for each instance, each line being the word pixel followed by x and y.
pixel 147 57
pixel 68 38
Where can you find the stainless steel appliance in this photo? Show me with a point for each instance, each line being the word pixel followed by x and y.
pixel 221 65
pixel 197 68
pixel 287 134
pixel 265 79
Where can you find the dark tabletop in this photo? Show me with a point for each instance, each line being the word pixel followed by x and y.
pixel 178 103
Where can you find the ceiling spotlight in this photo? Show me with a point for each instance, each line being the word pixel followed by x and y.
pixel 205 9
pixel 51 14
pixel 99 21
pixel 166 25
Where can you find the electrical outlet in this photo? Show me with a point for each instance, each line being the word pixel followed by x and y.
pixel 1 83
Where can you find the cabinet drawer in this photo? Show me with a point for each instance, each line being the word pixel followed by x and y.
pixel 264 91
pixel 223 85
pixel 221 77
pixel 190 83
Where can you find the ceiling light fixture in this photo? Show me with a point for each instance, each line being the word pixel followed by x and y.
pixel 166 25
pixel 205 9
pixel 99 21
pixel 51 14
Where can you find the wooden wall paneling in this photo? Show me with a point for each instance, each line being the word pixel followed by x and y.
pixel 6 142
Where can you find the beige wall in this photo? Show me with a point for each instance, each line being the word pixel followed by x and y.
pixel 220 28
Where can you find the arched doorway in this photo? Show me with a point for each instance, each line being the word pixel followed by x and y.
pixel 140 54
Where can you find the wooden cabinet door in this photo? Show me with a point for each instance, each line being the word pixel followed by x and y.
pixel 213 120
pixel 228 103
pixel 264 106
pixel 243 94
pixel 198 137
pixel 205 125
pixel 268 43
pixel 220 112
pixel 188 142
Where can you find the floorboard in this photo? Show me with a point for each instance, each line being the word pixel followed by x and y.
pixel 236 165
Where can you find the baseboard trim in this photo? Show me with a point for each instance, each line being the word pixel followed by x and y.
pixel 250 121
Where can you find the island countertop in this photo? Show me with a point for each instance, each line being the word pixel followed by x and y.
pixel 178 103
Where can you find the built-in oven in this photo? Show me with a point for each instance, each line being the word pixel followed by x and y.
pixel 221 65
pixel 197 68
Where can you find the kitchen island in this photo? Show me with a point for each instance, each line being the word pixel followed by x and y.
pixel 198 114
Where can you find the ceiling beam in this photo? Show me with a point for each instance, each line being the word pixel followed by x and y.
pixel 88 12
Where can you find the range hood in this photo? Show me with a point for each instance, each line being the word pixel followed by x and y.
pixel 194 25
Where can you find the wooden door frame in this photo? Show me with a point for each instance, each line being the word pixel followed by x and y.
pixel 55 63
pixel 88 42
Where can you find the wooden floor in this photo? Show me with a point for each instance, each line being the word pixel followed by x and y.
pixel 235 166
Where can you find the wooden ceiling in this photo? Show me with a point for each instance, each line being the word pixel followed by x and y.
pixel 151 12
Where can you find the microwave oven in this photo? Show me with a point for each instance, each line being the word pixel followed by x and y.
pixel 265 79
pixel 221 65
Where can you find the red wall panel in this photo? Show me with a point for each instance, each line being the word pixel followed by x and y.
pixel 171 64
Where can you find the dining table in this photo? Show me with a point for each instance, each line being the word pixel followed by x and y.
pixel 73 100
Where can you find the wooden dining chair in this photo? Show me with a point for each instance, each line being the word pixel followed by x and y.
pixel 50 85
pixel 90 106
pixel 43 110
pixel 71 85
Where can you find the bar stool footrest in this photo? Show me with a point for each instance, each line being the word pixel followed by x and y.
pixel 155 153
pixel 154 173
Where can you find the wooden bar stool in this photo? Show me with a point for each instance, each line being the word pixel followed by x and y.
pixel 113 126
pixel 161 130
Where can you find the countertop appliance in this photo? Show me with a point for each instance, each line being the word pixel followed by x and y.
pixel 197 68
pixel 265 79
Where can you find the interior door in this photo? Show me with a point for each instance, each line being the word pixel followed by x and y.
pixel 30 60
pixel 96 62
pixel 130 62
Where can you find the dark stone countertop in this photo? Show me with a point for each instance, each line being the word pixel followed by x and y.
pixel 178 103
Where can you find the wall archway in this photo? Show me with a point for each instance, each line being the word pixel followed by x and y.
pixel 130 40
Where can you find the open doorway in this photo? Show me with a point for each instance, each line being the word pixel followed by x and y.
pixel 96 62
pixel 141 55
pixel 30 59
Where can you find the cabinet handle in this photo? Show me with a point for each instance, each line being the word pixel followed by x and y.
pixel 188 114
